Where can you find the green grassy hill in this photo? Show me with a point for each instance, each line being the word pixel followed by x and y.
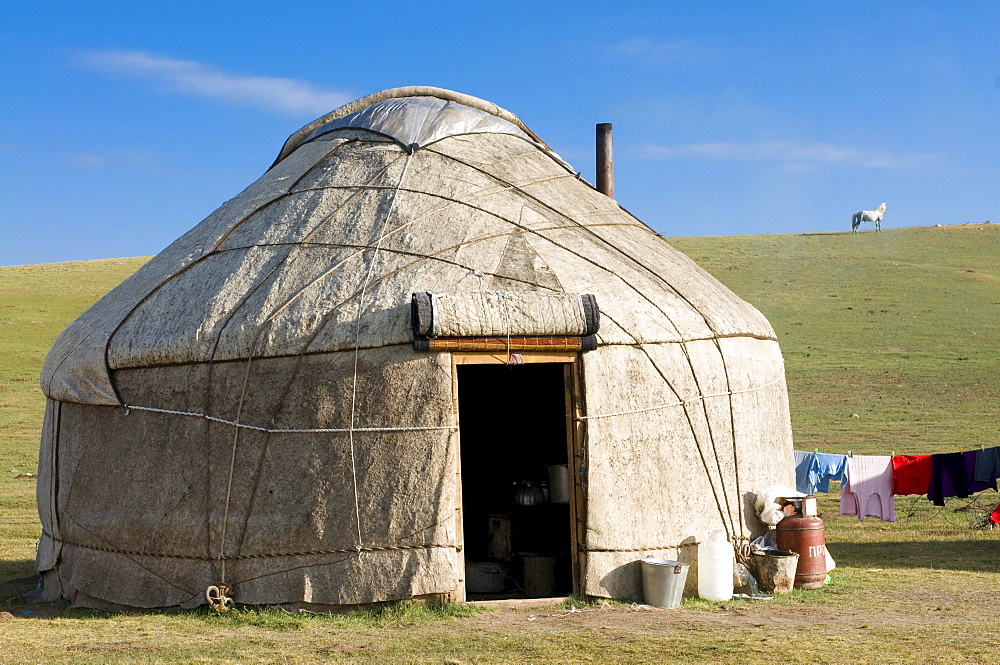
pixel 899 328
pixel 36 303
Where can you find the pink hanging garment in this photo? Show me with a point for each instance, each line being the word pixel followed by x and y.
pixel 867 491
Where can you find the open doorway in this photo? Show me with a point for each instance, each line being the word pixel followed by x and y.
pixel 515 479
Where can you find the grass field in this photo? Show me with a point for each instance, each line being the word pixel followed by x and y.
pixel 898 328
pixel 36 303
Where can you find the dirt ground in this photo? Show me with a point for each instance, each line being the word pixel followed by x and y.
pixel 860 626
pixel 909 609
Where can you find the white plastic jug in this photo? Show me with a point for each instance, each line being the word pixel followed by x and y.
pixel 716 560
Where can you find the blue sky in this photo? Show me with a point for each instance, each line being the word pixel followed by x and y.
pixel 124 124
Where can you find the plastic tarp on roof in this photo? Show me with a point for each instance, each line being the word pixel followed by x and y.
pixel 420 121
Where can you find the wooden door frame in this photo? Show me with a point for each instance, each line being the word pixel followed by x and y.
pixel 572 363
pixel 576 433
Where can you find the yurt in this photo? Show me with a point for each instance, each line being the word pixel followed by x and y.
pixel 420 357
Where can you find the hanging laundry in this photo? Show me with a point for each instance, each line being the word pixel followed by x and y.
pixel 987 464
pixel 805 464
pixel 814 471
pixel 911 474
pixel 829 467
pixel 971 484
pixel 948 477
pixel 868 489
pixel 995 515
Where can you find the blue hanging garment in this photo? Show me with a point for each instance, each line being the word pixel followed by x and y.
pixel 828 467
pixel 805 471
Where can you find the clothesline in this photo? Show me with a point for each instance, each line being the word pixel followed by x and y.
pixel 870 482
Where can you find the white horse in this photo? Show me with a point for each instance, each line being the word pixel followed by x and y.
pixel 868 216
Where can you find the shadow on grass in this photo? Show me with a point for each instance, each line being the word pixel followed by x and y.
pixel 16 577
pixel 969 555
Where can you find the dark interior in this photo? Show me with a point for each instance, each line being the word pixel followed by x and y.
pixel 513 427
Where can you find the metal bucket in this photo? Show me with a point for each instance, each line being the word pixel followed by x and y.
pixel 539 575
pixel 663 582
pixel 774 570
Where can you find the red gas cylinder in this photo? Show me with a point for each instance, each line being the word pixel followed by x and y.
pixel 803 534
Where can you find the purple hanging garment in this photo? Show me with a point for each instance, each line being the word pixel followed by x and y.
pixel 948 477
pixel 971 484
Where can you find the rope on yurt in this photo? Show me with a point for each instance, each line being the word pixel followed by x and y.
pixel 145 298
pixel 742 549
pixel 350 431
pixel 452 203
pixel 723 514
pixel 704 318
pixel 658 548
pixel 512 358
pixel 208 400
pixel 132 554
pixel 679 403
pixel 260 331
pixel 215 250
pixel 730 528
pixel 291 191
pixel 731 531
pixel 277 430
pixel 298 245
pixel 236 424
pixel 357 346
pixel 318 329
pixel 232 470
pixel 574 223
pixel 247 557
pixel 711 431
pixel 728 393
pixel 687 416
pixel 256 342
